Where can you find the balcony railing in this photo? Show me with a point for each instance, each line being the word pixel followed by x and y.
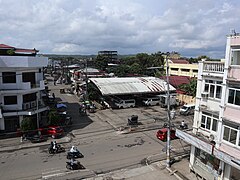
pixel 213 67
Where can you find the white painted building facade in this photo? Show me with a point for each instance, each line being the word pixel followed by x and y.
pixel 215 139
pixel 21 85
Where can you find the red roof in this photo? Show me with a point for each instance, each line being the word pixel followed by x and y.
pixel 4 46
pixel 18 50
pixel 179 61
pixel 175 81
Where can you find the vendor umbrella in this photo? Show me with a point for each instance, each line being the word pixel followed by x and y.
pixel 61 105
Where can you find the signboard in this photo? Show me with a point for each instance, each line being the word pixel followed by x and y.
pixel 207 147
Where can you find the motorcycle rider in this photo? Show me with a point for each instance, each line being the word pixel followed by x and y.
pixel 55 146
pixel 73 149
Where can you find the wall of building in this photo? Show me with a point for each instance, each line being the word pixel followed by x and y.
pixel 185 99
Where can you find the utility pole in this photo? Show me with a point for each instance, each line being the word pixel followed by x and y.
pixel 168 115
pixel 86 79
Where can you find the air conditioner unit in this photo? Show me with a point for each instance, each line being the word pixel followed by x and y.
pixel 33 104
pixel 26 106
pixel 204 95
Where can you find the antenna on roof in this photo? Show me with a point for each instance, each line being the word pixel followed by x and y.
pixel 233 32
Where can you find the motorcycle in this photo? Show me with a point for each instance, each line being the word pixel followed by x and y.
pixel 58 149
pixel 74 165
pixel 185 126
pixel 73 155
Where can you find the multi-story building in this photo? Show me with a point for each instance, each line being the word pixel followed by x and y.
pixel 21 86
pixel 112 56
pixel 215 139
pixel 177 69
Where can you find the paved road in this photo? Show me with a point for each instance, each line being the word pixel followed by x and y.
pixel 97 137
pixel 103 153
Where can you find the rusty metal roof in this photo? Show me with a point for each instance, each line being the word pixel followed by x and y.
pixel 130 85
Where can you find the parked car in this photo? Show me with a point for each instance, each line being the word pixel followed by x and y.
pixel 151 101
pixel 130 103
pixel 187 109
pixel 162 134
pixel 55 131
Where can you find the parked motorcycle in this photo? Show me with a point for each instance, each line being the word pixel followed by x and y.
pixel 58 149
pixel 74 165
pixel 77 154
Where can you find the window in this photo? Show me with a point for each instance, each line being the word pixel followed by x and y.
pixel 234 96
pixel 9 77
pixel 185 70
pixel 9 100
pixel 231 133
pixel 214 88
pixel 209 121
pixel 174 69
pixel 207 159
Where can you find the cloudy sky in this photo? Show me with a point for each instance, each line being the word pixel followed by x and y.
pixel 189 27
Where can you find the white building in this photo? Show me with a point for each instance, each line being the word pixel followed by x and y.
pixel 215 139
pixel 21 84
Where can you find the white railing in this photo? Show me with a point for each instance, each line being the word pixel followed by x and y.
pixel 213 66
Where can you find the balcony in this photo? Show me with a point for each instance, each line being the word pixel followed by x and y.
pixel 23 61
pixel 234 73
pixel 217 67
pixel 14 88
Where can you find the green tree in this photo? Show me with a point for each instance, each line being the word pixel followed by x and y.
pixel 144 60
pixel 53 118
pixel 27 124
pixel 158 59
pixel 10 52
pixel 190 88
pixel 101 62
pixel 135 68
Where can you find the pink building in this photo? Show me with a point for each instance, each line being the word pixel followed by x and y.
pixel 215 138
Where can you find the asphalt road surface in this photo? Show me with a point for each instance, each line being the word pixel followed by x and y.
pixel 96 137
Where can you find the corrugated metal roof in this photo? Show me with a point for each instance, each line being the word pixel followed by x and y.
pixel 132 85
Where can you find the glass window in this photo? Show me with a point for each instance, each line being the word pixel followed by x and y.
pixel 211 91
pixel 233 136
pixel 237 98
pixel 203 121
pixel 206 88
pixel 209 121
pixel 9 100
pixel 214 125
pixel 9 77
pixel 231 96
pixel 208 124
pixel 226 133
pixel 218 92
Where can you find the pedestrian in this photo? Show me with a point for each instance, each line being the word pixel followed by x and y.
pixel 182 124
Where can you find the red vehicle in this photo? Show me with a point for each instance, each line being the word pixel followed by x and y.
pixel 162 134
pixel 55 131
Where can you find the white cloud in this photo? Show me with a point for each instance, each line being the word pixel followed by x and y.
pixel 85 27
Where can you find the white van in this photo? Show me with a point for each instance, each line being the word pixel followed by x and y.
pixel 126 103
pixel 187 109
pixel 152 101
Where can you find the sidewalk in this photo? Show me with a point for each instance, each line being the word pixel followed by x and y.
pixel 158 170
